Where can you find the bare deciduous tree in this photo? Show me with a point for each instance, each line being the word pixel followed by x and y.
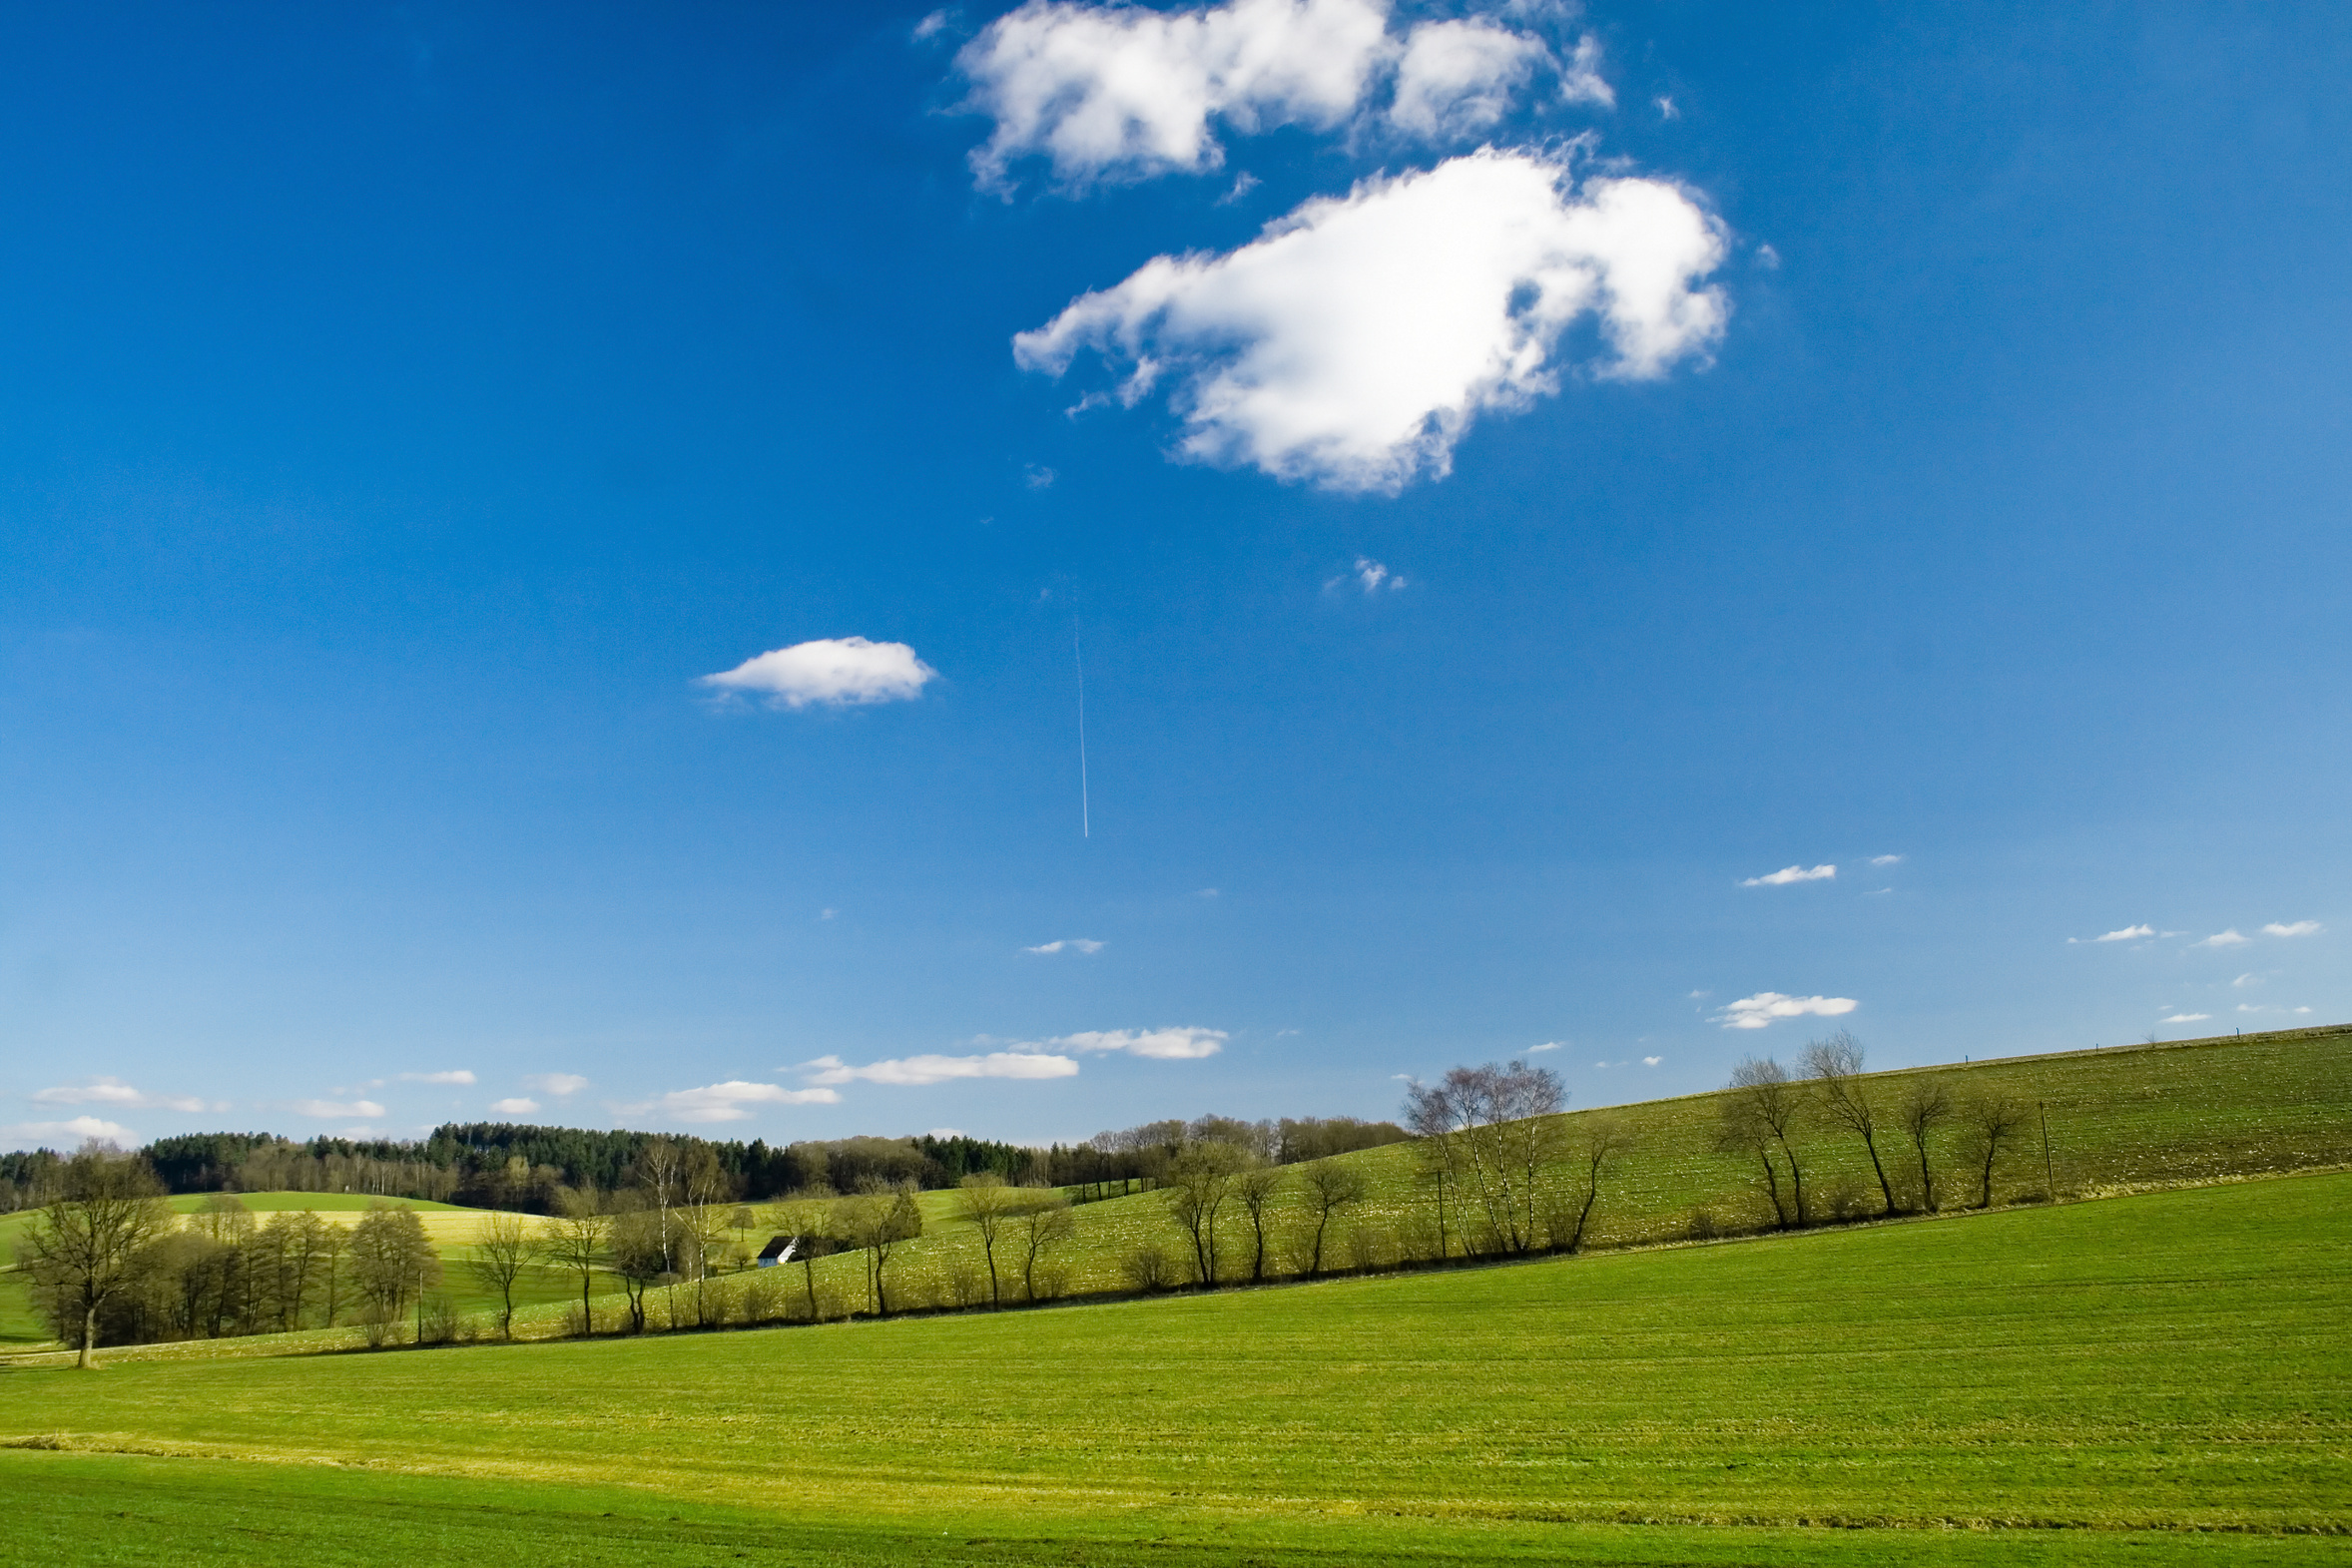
pixel 1598 1143
pixel 1198 1181
pixel 639 1258
pixel 808 1217
pixel 1493 1128
pixel 1992 1121
pixel 1254 1189
pixel 81 1249
pixel 577 1240
pixel 1044 1222
pixel 878 1220
pixel 503 1249
pixel 1330 1187
pixel 392 1260
pixel 1924 1106
pixel 990 1205
pixel 1835 1064
pixel 1764 1114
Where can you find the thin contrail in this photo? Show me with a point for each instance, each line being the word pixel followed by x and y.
pixel 1085 823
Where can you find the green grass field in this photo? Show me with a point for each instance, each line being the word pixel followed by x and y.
pixel 2158 1378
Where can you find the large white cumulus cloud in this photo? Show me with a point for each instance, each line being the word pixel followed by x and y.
pixel 1355 342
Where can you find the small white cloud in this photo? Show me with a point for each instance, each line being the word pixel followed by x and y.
pixel 457 1076
pixel 732 1101
pixel 1206 892
pixel 1651 1061
pixel 1354 343
pixel 558 1084
pixel 946 1132
pixel 2302 1009
pixel 931 26
pixel 1792 873
pixel 838 672
pixel 519 1105
pixel 2245 980
pixel 1166 1045
pixel 1371 577
pixel 1243 185
pixel 1456 78
pixel 69 1134
pixel 2228 938
pixel 337 1110
pixel 1700 996
pixel 1038 477
pixel 1768 1007
pixel 826 914
pixel 1666 109
pixel 2129 933
pixel 114 1092
pixel 2186 1018
pixel 915 1071
pixel 1581 82
pixel 1075 944
pixel 1886 859
pixel 2299 928
pixel 1549 1045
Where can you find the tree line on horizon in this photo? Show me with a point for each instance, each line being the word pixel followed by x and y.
pixel 497 1165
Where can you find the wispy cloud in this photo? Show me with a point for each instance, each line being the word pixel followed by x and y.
pixel 1886 859
pixel 2129 933
pixel 1549 1045
pixel 732 1101
pixel 68 1134
pixel 2184 1018
pixel 118 1094
pixel 519 1105
pixel 1075 944
pixel 2228 938
pixel 833 671
pixel 1166 1045
pixel 1769 1007
pixel 455 1076
pixel 557 1084
pixel 1791 873
pixel 337 1110
pixel 2298 928
pixel 918 1070
pixel 2245 980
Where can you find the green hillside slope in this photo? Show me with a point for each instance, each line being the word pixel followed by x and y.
pixel 2176 1361
pixel 2119 1120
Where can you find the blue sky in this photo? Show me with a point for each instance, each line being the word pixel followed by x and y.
pixel 1517 475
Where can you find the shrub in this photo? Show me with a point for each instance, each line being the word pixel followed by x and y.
pixel 1148 1266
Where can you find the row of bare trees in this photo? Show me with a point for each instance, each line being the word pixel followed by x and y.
pixel 1774 1120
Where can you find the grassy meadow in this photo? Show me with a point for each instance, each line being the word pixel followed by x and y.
pixel 2156 1379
